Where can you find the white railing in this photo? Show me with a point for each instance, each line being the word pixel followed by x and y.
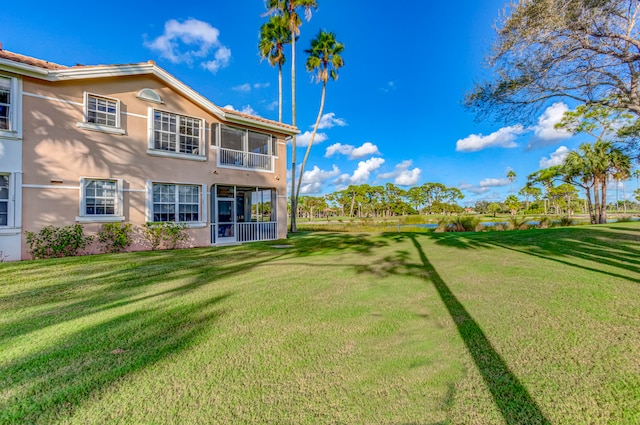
pixel 264 231
pixel 251 232
pixel 254 161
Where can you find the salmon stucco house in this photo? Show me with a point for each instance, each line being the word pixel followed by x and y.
pixel 132 144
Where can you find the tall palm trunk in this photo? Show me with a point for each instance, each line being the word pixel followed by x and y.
pixel 294 201
pixel 596 199
pixel 279 92
pixel 624 200
pixel 313 135
pixel 603 204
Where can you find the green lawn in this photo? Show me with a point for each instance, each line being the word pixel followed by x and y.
pixel 524 327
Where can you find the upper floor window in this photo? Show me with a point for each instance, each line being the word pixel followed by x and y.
pixel 101 200
pixel 176 133
pixel 4 200
pixel 101 113
pixel 10 107
pixel 5 103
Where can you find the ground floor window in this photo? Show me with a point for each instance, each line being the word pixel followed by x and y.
pixel 100 200
pixel 176 202
pixel 4 199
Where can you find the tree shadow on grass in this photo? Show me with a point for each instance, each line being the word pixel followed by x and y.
pixel 108 284
pixel 586 247
pixel 57 379
pixel 510 396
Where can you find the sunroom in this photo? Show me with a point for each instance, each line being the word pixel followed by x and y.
pixel 243 214
pixel 245 149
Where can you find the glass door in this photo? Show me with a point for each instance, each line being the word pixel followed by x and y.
pixel 225 219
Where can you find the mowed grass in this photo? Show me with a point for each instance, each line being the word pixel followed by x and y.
pixel 525 327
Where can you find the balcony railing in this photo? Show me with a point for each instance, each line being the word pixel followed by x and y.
pixel 250 232
pixel 241 159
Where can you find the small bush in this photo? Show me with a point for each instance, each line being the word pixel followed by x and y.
pixel 516 223
pixel 115 237
pixel 463 224
pixel 53 242
pixel 166 234
pixel 565 221
pixel 625 219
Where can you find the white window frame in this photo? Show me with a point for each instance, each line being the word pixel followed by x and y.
pixel 14 205
pixel 7 200
pixel 83 217
pixel 85 124
pixel 202 204
pixel 151 149
pixel 15 109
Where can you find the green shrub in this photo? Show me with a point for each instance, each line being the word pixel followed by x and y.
pixel 115 237
pixel 166 234
pixel 516 223
pixel 625 219
pixel 52 241
pixel 565 221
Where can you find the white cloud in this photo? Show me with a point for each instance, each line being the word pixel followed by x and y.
pixel 329 120
pixel 303 139
pixel 493 182
pixel 313 180
pixel 261 85
pixel 402 175
pixel 246 87
pixel 362 173
pixel 478 190
pixel 366 149
pixel 221 60
pixel 556 158
pixel 246 109
pixel 504 138
pixel 185 42
pixel 545 133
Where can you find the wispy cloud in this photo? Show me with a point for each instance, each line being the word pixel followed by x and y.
pixel 189 42
pixel 366 149
pixel 402 175
pixel 503 138
pixel 493 182
pixel 261 85
pixel 244 88
pixel 329 120
pixel 388 86
pixel 555 158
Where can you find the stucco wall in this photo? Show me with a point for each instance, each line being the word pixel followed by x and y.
pixel 57 153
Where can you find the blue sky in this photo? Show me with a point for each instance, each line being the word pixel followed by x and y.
pixel 394 115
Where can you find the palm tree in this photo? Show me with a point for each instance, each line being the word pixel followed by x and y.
pixel 288 9
pixel 636 174
pixel 274 34
pixel 325 60
pixel 511 175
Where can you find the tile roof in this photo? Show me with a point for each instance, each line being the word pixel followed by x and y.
pixel 257 118
pixel 28 60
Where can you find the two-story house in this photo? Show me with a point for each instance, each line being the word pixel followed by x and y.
pixel 132 144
